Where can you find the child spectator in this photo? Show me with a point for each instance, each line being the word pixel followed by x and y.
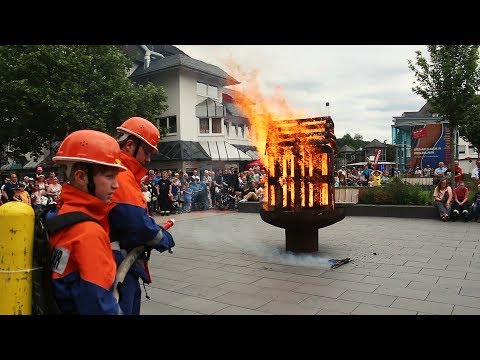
pixel 16 195
pixel 187 198
pixel 24 196
pixel 148 198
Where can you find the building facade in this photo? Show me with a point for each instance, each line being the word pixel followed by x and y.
pixel 423 138
pixel 205 128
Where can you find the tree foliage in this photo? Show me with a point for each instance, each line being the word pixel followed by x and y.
pixel 470 128
pixel 449 82
pixel 354 142
pixel 48 91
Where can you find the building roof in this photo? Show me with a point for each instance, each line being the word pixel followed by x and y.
pixel 345 148
pixel 183 60
pixel 375 144
pixel 180 150
pixel 224 151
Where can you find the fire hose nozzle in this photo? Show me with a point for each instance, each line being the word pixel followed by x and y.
pixel 168 224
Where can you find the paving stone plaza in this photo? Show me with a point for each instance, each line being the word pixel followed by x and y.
pixel 230 263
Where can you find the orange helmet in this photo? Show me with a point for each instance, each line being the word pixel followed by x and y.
pixel 142 129
pixel 89 146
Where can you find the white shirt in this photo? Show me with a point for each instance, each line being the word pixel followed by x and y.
pixel 475 173
pixel 148 195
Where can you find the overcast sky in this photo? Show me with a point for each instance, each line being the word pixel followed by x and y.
pixel 366 86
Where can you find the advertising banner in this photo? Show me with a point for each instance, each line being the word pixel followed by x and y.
pixel 430 145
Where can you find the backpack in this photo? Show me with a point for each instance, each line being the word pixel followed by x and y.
pixel 48 222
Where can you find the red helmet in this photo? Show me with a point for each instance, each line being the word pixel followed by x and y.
pixel 143 129
pixel 89 146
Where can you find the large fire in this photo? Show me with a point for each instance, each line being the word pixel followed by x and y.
pixel 297 150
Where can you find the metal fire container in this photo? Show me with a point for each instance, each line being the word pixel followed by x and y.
pixel 299 192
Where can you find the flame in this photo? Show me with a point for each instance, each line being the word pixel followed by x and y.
pixel 272 119
pixel 261 111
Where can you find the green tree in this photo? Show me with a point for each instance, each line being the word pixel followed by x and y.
pixel 470 128
pixel 449 82
pixel 354 142
pixel 48 91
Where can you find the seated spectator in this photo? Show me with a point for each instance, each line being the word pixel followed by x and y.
pixel 442 198
pixel 476 205
pixel 460 202
pixel 385 177
pixel 256 195
pixel 16 195
pixel 24 196
pixel 376 178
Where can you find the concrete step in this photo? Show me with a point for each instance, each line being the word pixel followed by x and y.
pixel 400 211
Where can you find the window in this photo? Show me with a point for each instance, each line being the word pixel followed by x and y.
pixel 216 125
pixel 461 149
pixel 204 125
pixel 207 90
pixel 210 125
pixel 169 123
pixel 241 131
pixel 201 89
pixel 212 91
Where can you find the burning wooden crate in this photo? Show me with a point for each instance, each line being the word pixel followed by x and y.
pixel 300 193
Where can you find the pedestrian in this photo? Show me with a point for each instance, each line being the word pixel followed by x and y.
pixel 84 268
pixel 130 224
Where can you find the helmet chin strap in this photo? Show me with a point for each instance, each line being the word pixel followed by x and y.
pixel 139 143
pixel 90 184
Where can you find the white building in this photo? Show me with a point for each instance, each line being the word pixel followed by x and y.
pixel 206 129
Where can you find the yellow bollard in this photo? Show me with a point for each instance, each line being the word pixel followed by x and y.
pixel 17 221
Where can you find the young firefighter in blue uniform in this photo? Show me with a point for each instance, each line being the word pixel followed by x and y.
pixel 83 264
pixel 130 224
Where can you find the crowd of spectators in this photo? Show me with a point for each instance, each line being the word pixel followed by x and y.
pixel 37 191
pixel 177 192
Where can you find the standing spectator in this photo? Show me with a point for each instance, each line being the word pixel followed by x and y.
pixel 51 178
pixel 164 192
pixel 476 171
pixel 194 176
pixel 54 188
pixel 36 198
pixel 460 202
pixel 39 172
pixel 207 180
pixel 130 224
pixel 42 184
pixel 11 186
pixel 458 173
pixel 367 171
pixel 442 198
pixel 187 198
